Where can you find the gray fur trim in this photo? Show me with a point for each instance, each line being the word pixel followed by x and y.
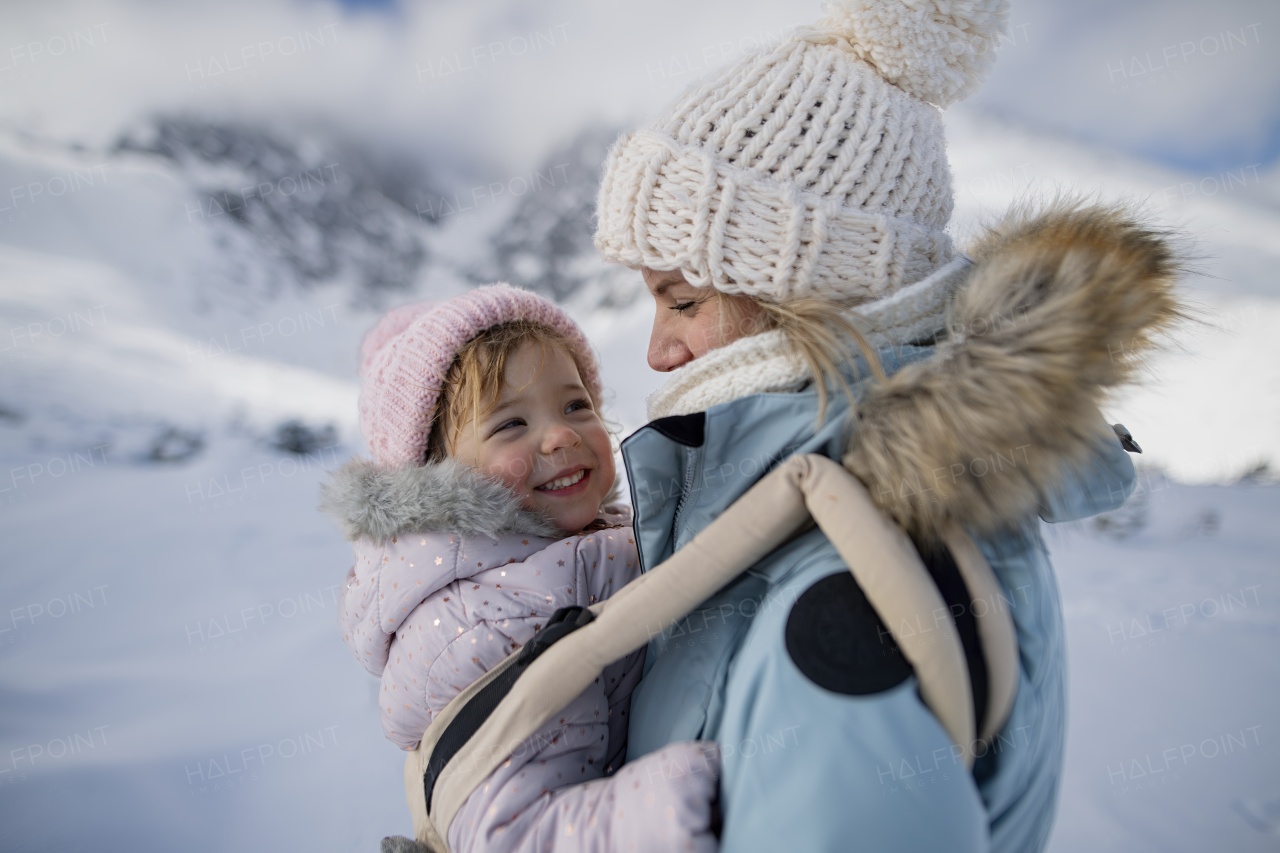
pixel 371 502
pixel 1061 307
pixel 400 844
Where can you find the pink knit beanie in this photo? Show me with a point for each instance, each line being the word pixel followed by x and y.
pixel 405 357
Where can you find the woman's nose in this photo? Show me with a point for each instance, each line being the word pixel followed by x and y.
pixel 666 351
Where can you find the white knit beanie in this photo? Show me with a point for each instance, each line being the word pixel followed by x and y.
pixel 816 167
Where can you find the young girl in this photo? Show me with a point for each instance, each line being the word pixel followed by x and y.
pixel 482 513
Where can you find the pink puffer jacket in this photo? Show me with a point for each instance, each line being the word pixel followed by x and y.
pixel 450 577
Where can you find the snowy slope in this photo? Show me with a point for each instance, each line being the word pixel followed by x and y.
pixel 172 676
pixel 1172 630
pixel 170 667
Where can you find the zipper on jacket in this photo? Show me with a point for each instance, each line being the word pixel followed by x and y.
pixel 689 472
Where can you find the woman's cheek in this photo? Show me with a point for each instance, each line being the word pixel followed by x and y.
pixel 704 334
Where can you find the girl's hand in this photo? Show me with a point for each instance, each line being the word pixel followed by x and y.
pixel 670 798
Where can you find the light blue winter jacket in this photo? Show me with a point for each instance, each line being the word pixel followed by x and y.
pixel 806 768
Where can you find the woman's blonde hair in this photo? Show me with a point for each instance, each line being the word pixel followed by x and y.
pixel 473 385
pixel 821 332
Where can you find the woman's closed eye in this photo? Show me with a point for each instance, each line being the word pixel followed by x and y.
pixel 681 307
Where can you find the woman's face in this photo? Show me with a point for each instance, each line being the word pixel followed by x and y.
pixel 689 322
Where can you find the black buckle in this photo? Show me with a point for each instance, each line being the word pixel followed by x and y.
pixel 562 623
pixel 1126 438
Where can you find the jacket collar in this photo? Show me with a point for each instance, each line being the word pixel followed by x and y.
pixel 684 470
pixel 376 503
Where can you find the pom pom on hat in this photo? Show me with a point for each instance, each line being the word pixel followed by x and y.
pixel 937 50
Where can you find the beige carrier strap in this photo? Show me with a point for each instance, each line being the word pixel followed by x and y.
pixel 878 553
pixel 999 641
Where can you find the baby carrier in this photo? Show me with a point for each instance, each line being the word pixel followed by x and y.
pixel 969 686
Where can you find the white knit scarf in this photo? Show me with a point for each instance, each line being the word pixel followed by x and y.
pixel 764 363
pixel 751 365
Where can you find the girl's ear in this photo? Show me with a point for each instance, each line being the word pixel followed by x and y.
pixel 437 447
pixel 442 440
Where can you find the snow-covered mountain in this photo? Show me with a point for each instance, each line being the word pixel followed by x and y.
pixel 322 207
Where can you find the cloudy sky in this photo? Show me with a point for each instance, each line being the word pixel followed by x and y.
pixel 1188 84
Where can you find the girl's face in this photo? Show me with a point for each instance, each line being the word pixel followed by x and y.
pixel 544 439
pixel 688 321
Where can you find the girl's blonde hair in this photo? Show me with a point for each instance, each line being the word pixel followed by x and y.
pixel 819 331
pixel 473 384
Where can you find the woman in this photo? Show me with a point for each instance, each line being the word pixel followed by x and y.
pixel 787 217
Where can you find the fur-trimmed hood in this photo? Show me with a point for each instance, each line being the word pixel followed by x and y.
pixel 1060 308
pixel 376 503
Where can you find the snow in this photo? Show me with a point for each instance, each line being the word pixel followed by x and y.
pixel 171 667
pixel 171 674
pixel 1171 634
